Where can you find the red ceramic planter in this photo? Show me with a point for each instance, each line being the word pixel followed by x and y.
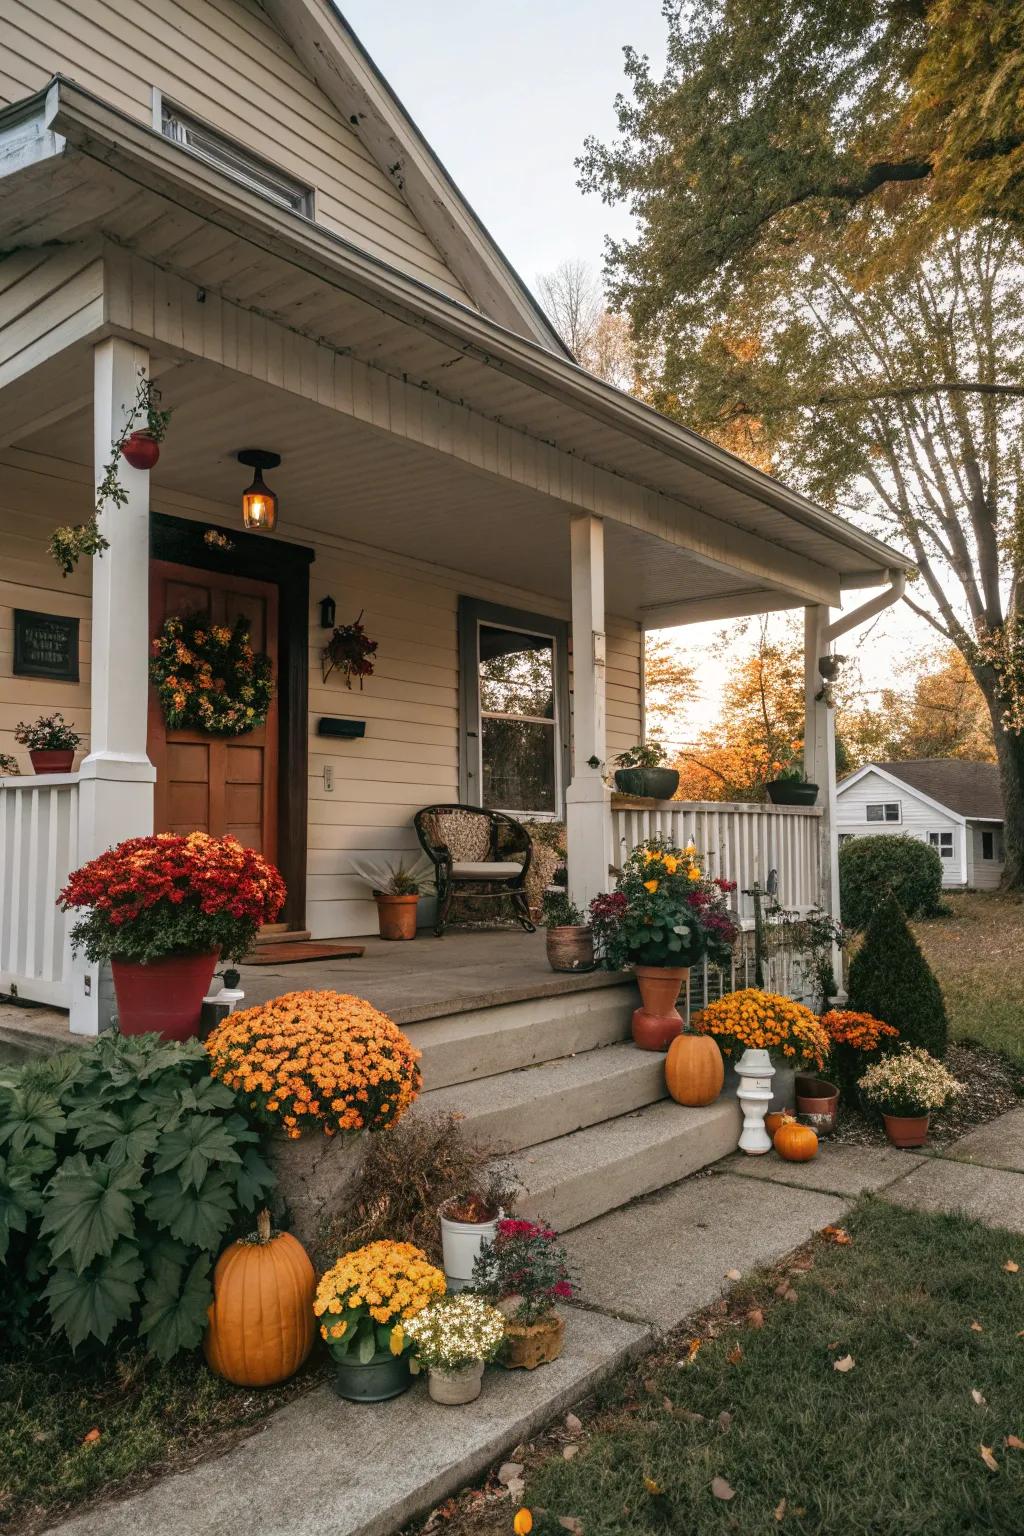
pixel 141 450
pixel 52 762
pixel 163 997
pixel 657 1021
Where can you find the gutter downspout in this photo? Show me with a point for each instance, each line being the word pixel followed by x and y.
pixel 848 621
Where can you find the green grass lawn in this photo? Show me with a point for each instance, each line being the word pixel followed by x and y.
pixel 976 954
pixel 887 1448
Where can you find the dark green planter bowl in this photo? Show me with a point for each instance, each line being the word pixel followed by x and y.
pixel 791 792
pixel 652 783
pixel 384 1375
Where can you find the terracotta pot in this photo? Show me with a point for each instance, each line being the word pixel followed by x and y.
pixel 384 1375
pixel 906 1130
pixel 657 1021
pixel 396 915
pixel 164 997
pixel 52 762
pixel 817 1104
pixel 456 1387
pixel 141 450
pixel 570 949
pixel 528 1345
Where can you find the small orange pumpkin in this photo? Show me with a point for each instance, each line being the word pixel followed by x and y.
pixel 694 1070
pixel 261 1322
pixel 775 1118
pixel 795 1142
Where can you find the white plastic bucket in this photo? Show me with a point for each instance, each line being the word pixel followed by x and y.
pixel 461 1242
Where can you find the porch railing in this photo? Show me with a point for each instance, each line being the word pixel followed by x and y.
pixel 38 840
pixel 739 841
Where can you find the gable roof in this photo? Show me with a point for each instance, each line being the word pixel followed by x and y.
pixel 969 790
pixel 344 71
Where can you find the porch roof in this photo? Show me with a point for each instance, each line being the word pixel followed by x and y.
pixel 77 170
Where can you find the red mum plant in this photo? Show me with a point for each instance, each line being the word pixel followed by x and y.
pixel 151 897
pixel 525 1267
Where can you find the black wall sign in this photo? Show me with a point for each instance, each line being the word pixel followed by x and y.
pixel 45 645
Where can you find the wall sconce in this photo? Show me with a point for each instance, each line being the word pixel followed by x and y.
pixel 259 503
pixel 328 613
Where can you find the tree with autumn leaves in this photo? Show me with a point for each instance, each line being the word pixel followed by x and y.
pixel 828 278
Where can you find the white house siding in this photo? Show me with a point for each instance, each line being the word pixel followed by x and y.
pixel 918 819
pixel 409 756
pixel 984 874
pixel 224 62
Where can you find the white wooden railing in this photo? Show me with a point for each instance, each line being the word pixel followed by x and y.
pixel 737 840
pixel 38 843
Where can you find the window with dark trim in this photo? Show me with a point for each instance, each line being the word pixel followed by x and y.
pixel 240 164
pixel 888 810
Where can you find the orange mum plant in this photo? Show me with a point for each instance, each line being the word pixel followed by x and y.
pixel 312 1061
pixel 364 1300
pixel 858 1040
pixel 758 1020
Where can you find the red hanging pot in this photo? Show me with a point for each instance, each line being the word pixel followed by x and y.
pixel 164 997
pixel 141 450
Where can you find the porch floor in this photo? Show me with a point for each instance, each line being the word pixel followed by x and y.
pixel 429 978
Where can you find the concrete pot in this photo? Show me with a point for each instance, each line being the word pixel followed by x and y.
pixel 396 915
pixel 657 1021
pixel 570 949
pixel 461 1242
pixel 528 1345
pixel 314 1175
pixel 906 1130
pixel 456 1387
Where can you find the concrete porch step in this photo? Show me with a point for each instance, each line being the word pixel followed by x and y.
pixel 551 1099
pixel 485 1042
pixel 572 1179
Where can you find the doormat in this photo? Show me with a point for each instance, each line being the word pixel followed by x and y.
pixel 291 954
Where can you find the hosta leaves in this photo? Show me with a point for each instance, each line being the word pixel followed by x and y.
pixel 193 1146
pixel 92 1303
pixel 252 1179
pixel 198 1217
pixel 89 1207
pixel 174 1312
pixel 19 1199
pixel 30 1113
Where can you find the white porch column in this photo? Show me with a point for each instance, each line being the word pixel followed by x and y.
pixel 116 787
pixel 588 800
pixel 820 761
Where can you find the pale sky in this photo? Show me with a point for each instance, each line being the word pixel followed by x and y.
pixel 506 96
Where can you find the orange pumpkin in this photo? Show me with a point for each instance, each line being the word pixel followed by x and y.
pixel 694 1070
pixel 773 1120
pixel 261 1322
pixel 795 1142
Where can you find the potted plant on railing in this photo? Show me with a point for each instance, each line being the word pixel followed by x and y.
pixel 790 786
pixel 162 910
pixel 641 770
pixel 905 1088
pixel 397 888
pixel 570 943
pixel 51 743
pixel 453 1338
pixel 525 1272
pixel 367 1337
pixel 468 1221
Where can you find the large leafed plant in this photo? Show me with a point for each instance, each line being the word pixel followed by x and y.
pixel 123 1168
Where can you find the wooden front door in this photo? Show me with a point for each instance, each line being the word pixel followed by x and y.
pixel 216 784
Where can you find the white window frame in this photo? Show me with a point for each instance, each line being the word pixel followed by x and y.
pixel 231 158
pixel 884 806
pixel 935 841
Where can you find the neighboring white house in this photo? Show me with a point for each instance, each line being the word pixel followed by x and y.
pixel 957 807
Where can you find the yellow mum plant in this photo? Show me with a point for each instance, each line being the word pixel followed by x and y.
pixel 364 1301
pixel 317 1061
pixel 758 1020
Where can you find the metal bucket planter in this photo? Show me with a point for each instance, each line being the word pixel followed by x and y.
pixel 384 1375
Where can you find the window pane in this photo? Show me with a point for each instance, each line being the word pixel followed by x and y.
pixel 517 672
pixel 518 765
pixel 988 845
pixel 892 812
pixel 874 813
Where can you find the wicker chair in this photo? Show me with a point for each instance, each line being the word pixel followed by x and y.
pixel 477 853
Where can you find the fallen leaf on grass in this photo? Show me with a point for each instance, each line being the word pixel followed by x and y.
pixel 847 1363
pixel 987 1457
pixel 652 1487
pixel 721 1489
pixel 780 1510
pixel 755 1318
pixel 667 1404
pixel 836 1235
pixel 724 1420
pixel 1014 1443
pixel 691 1353
pixel 688 1415
pixel 91 1437
pixel 733 1274
pixel 977 1328
pixel 978 1398
pixel 509 1471
pixel 570 1523
pixel 569 1451
pixel 735 1354
pixel 782 1287
pixel 573 1424
pixel 1011 1268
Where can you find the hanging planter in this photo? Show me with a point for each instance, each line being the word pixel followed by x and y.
pixel 141 450
pixel 349 651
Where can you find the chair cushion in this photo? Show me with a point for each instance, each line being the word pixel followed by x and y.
pixel 468 870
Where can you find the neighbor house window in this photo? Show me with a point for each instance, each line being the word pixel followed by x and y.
pixel 988 845
pixel 887 811
pixel 943 842
pixel 238 163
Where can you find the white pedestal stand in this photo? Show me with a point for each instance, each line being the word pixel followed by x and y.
pixel 755 1072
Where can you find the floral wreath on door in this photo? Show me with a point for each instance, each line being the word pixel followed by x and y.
pixel 209 678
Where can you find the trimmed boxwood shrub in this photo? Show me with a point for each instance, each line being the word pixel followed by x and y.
pixel 891 979
pixel 909 868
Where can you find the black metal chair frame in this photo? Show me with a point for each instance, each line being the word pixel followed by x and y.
pixel 506 835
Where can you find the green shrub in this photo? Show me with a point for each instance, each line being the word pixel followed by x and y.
pixel 867 865
pixel 891 979
pixel 123 1167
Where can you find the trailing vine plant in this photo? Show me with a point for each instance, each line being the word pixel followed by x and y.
pixel 69 544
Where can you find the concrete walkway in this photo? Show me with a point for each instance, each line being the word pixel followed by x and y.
pixel 325 1465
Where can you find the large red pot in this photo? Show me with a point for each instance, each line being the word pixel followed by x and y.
pixel 45 761
pixel 657 1021
pixel 141 450
pixel 162 996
